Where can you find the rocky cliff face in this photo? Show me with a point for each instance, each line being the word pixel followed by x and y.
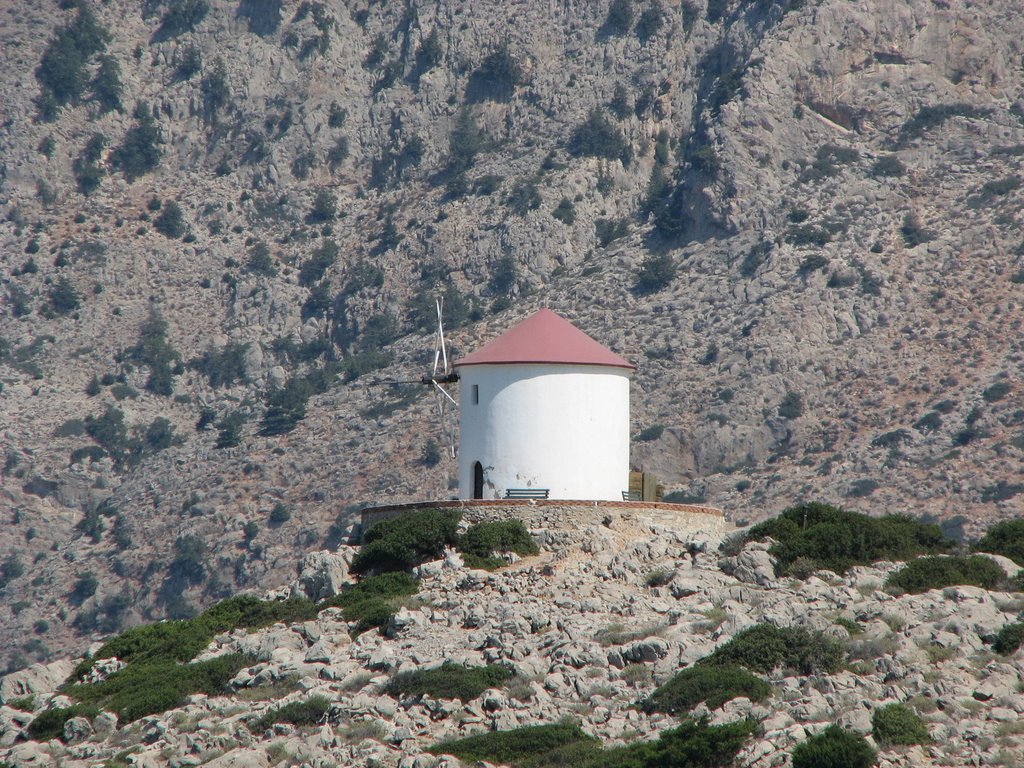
pixel 800 219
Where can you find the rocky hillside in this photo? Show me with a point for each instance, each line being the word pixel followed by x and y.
pixel 587 629
pixel 222 219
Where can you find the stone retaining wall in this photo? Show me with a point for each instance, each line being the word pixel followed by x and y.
pixel 565 514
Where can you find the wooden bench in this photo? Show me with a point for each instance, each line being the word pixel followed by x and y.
pixel 631 496
pixel 527 493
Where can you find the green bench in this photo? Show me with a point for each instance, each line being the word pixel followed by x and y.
pixel 527 493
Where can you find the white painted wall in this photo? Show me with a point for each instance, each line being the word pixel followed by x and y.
pixel 560 427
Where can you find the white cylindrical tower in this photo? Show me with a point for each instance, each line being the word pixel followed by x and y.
pixel 544 407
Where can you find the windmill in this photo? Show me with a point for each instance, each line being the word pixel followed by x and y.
pixel 441 375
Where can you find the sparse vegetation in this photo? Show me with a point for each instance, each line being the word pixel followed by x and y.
pixel 496 78
pixel 939 572
pixel 370 602
pixel 656 273
pixel 712 684
pixel 1005 538
pixel 1009 638
pixel 449 681
pixel 597 136
pixel 834 748
pixel 479 543
pixel 693 744
pixel 403 542
pixel 765 647
pixel 898 724
pixel 834 539
pixel 312 711
pixel 139 151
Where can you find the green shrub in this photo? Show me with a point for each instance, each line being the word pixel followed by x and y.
pixel 597 136
pixel 1005 538
pixel 834 748
pixel 619 19
pixel 224 367
pixel 927 573
pixel 898 724
pixel 62 72
pixel 106 85
pixel 713 685
pixel 181 16
pixel 369 602
pixel 139 151
pixel 1009 638
pixel 309 712
pixel 64 299
pixel 86 166
pixel 692 744
pixel 656 273
pixel 84 588
pixel 324 209
pixel 650 433
pixel 496 78
pixel 229 430
pixel 406 541
pixel 609 230
pixel 482 540
pixel 565 212
pixel 888 165
pixel 934 115
pixel 323 256
pixel 516 746
pixel 835 539
pixel 279 515
pixel 765 647
pixel 181 641
pixel 449 681
pixel 149 688
pixel 50 724
pixel 171 222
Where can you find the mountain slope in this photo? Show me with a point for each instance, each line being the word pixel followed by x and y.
pixel 801 220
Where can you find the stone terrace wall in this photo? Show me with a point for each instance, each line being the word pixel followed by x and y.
pixel 566 515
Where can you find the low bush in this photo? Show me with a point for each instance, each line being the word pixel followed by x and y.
pixel 149 688
pixel 927 573
pixel 693 744
pixel 835 539
pixel 181 641
pixel 898 724
pixel 834 748
pixel 312 711
pixel 50 724
pixel 479 543
pixel 765 647
pixel 449 681
pixel 515 747
pixel 369 603
pixel 1005 538
pixel 713 685
pixel 597 136
pixel 406 541
pixel 1009 638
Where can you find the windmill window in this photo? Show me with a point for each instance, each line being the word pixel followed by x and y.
pixel 476 394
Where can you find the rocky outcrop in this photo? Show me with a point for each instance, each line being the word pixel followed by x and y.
pixel 839 208
pixel 586 636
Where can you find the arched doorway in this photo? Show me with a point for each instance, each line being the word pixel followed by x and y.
pixel 478 480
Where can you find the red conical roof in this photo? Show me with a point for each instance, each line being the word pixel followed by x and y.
pixel 544 337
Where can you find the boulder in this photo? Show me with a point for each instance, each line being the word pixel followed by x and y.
pixel 36 679
pixel 77 729
pixel 323 573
